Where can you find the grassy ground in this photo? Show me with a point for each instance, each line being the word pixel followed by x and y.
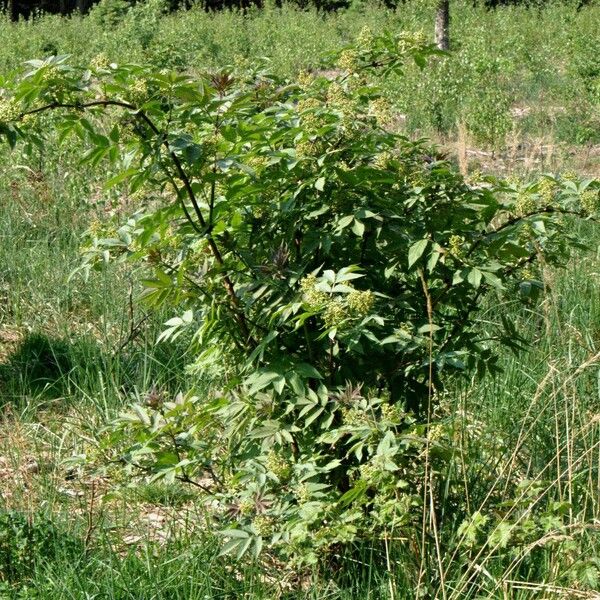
pixel 72 351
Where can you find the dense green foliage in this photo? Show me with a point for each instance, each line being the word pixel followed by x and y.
pixel 331 287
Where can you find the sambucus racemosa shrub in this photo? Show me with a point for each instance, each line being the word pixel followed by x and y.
pixel 330 269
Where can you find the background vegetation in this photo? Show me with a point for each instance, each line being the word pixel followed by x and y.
pixel 519 96
pixel 521 78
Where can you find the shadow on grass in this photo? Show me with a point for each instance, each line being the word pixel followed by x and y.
pixel 40 366
pixel 44 368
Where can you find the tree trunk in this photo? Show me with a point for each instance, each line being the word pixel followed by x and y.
pixel 442 25
pixel 13 10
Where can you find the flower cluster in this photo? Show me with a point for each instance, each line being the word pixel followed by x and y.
pixel 570 176
pixel 381 109
pixel 100 62
pixel 258 163
pixel 408 41
pixel 590 201
pixel 338 99
pixel 528 273
pixel 307 108
pixel 302 494
pixel 263 525
pixel 525 204
pixel 369 472
pixel 360 303
pixel 335 310
pixel 305 80
pixel 391 412
pixel 354 417
pixel 456 245
pixel 50 74
pixel 475 178
pixel 138 92
pixel 308 148
pixel 247 506
pixel 313 297
pixel 279 466
pixel 9 111
pixel 365 38
pixel 334 314
pixel 547 190
pixel 348 61
pixel 382 160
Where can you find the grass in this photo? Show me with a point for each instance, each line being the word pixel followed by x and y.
pixel 73 351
